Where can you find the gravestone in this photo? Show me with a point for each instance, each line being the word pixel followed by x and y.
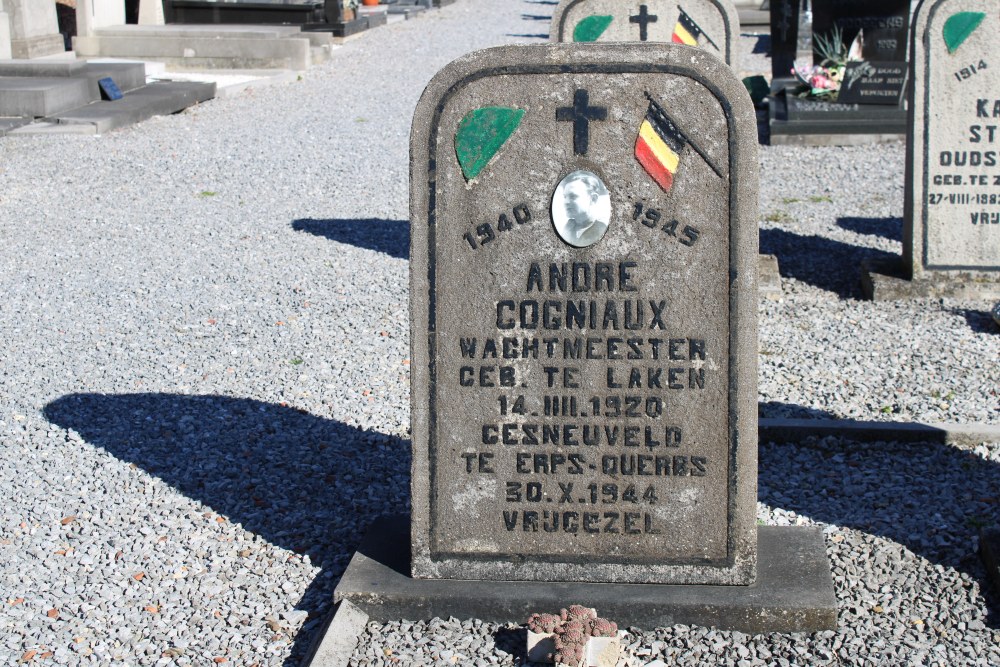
pixel 712 25
pixel 951 239
pixel 583 342
pixel 34 28
pixel 784 15
pixel 885 24
pixel 872 82
pixel 5 52
pixel 582 404
pixel 870 107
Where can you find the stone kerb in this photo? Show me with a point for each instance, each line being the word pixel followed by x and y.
pixel 550 441
pixel 712 25
pixel 952 205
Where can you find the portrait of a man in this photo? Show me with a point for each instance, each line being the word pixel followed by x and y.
pixel 581 209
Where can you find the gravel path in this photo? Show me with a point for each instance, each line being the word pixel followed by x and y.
pixel 204 382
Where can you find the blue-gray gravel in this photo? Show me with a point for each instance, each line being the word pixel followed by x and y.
pixel 204 383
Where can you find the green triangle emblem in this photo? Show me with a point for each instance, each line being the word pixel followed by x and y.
pixel 590 28
pixel 958 28
pixel 481 134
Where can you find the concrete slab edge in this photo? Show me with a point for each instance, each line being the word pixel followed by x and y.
pixel 338 638
pixel 958 435
pixel 45 127
pixel 779 138
pixel 283 76
pixel 883 281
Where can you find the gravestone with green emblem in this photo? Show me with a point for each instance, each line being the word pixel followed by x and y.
pixel 584 296
pixel 712 25
pixel 951 243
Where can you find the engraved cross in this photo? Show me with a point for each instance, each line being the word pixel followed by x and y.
pixel 581 113
pixel 643 18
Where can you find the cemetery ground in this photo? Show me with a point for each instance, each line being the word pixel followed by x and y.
pixel 205 384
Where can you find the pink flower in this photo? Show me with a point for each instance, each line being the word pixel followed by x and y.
pixel 822 82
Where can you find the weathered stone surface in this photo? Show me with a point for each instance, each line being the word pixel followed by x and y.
pixel 713 25
pixel 952 211
pixel 584 412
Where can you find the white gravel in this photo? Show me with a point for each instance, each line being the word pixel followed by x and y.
pixel 204 381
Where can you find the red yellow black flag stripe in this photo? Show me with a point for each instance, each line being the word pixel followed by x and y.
pixel 658 146
pixel 686 31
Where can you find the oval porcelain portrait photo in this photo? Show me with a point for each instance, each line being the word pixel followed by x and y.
pixel 581 209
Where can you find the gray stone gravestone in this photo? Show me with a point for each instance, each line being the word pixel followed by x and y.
pixel 583 334
pixel 712 25
pixel 580 402
pixel 951 243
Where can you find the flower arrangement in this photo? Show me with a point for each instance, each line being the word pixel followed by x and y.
pixel 563 638
pixel 823 81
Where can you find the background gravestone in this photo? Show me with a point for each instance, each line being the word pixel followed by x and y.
pixel 952 208
pixel 784 15
pixel 712 25
pixel 584 402
pixel 885 24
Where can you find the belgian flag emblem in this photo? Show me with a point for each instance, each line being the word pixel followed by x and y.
pixel 686 31
pixel 659 145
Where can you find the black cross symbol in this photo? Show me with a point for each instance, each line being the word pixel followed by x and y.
pixel 786 10
pixel 643 18
pixel 581 114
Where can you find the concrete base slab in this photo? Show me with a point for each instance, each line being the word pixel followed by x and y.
pixel 408 11
pixel 793 591
pixel 230 82
pixel 128 76
pixel 885 281
pixel 768 277
pixel 336 642
pixel 48 127
pixel 42 96
pixel 194 46
pixel 11 123
pixel 821 139
pixel 156 99
pixel 989 549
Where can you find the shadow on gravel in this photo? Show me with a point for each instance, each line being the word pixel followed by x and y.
pixel 979 321
pixel 887 228
pixel 513 643
pixel 762 45
pixel 829 265
pixel 931 498
pixel 779 410
pixel 391 237
pixel 301 482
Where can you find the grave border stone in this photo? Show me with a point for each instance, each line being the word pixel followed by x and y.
pixel 568 59
pixel 727 10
